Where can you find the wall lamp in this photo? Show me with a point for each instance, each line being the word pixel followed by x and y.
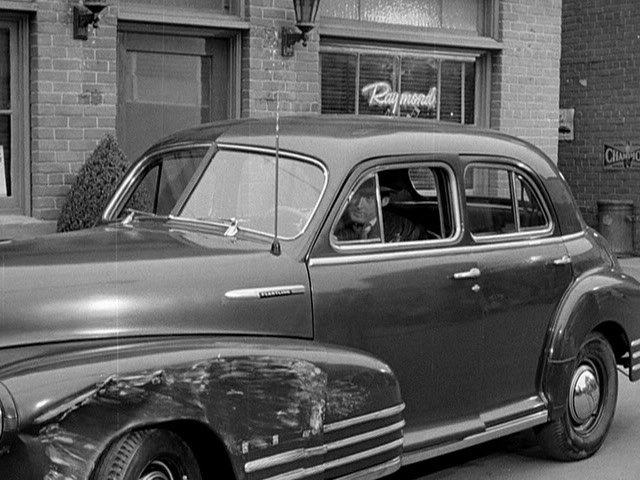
pixel 306 11
pixel 85 15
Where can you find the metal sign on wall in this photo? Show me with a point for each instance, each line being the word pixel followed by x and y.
pixel 621 157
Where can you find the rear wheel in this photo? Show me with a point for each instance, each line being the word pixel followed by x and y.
pixel 148 455
pixel 591 403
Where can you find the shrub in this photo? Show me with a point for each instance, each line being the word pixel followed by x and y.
pixel 94 185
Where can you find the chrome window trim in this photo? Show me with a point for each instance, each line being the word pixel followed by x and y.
pixel 514 170
pixel 445 250
pixel 289 155
pixel 380 246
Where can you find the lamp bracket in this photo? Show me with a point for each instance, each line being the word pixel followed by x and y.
pixel 85 15
pixel 291 36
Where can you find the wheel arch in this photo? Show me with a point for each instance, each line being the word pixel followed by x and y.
pixel 591 305
pixel 207 446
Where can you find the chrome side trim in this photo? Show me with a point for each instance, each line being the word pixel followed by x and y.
pixel 265 292
pixel 490 434
pixel 376 472
pixel 635 367
pixel 635 343
pixel 387 412
pixel 574 236
pixel 303 453
pixel 318 469
pixel 285 457
pixel 431 251
pixel 363 437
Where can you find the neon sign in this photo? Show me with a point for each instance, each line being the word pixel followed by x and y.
pixel 380 94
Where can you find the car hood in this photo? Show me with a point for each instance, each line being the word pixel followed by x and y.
pixel 117 281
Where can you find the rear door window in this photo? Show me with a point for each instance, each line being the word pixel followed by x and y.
pixel 503 201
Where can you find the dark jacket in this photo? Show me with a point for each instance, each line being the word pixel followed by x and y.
pixel 396 229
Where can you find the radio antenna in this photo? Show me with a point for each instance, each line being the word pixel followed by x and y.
pixel 275 246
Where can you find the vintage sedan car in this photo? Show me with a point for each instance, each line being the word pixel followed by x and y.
pixel 334 300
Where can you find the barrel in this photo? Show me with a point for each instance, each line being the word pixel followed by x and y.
pixel 615 223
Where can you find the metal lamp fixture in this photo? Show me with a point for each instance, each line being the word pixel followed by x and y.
pixel 85 15
pixel 306 11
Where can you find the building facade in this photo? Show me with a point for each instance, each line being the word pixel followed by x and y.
pixel 151 68
pixel 599 153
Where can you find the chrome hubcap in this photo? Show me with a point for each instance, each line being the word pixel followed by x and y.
pixel 158 470
pixel 584 402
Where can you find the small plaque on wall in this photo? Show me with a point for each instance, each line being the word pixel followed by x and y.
pixel 621 156
pixel 565 125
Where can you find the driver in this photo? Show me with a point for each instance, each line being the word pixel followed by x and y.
pixel 360 219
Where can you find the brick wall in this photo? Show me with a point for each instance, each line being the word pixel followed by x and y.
pixel 525 81
pixel 270 81
pixel 599 79
pixel 73 99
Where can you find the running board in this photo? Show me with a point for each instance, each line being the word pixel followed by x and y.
pixel 491 433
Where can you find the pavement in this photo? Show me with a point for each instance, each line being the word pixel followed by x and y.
pixel 19 227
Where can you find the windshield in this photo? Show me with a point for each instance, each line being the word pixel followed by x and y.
pixel 241 186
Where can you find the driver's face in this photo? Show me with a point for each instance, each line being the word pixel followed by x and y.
pixel 362 206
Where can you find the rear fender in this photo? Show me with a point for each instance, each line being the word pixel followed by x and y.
pixel 604 300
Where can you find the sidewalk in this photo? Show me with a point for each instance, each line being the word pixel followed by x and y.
pixel 19 227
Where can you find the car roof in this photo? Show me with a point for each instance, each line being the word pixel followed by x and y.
pixel 328 137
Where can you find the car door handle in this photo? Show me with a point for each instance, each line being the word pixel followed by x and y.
pixel 564 260
pixel 473 273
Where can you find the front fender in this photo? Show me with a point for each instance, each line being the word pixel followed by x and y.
pixel 606 300
pixel 259 397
